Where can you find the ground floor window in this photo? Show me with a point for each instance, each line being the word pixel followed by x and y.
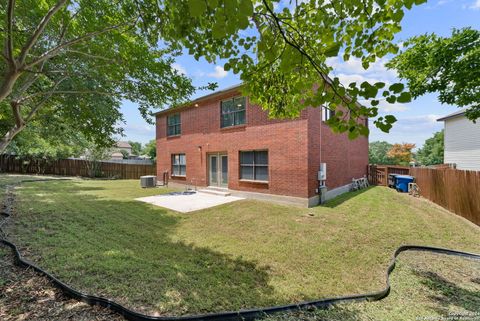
pixel 254 165
pixel 179 165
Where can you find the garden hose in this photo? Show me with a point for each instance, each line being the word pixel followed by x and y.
pixel 249 314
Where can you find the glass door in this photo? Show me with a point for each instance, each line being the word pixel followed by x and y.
pixel 218 170
pixel 213 170
pixel 224 172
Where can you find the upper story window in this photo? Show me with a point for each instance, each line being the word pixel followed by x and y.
pixel 232 112
pixel 327 113
pixel 174 125
pixel 254 165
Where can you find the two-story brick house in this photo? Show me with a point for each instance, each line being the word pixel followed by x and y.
pixel 221 140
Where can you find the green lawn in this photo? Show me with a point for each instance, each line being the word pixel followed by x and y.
pixel 95 236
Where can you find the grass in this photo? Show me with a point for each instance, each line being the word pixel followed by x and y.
pixel 424 287
pixel 94 235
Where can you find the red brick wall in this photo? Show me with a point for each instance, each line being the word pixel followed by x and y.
pixel 293 148
pixel 345 158
pixel 285 140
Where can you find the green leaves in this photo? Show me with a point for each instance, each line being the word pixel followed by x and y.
pixel 281 53
pixel 404 97
pixel 196 7
pixel 445 65
pixel 396 88
pixel 246 8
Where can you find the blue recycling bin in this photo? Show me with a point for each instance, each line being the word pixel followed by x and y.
pixel 401 182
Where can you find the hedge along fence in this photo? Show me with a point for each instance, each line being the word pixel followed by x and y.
pixel 455 190
pixel 74 167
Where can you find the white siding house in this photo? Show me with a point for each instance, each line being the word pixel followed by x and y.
pixel 462 141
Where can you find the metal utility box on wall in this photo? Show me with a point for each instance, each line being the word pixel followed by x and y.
pixel 148 181
pixel 322 173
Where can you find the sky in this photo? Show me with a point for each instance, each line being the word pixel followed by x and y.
pixel 417 120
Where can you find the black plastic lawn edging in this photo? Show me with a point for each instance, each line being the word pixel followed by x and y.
pixel 250 314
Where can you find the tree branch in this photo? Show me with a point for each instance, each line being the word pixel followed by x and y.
pixel 61 92
pixel 31 78
pixel 16 114
pixel 39 30
pixel 34 109
pixel 90 55
pixel 9 38
pixel 54 51
pixel 295 45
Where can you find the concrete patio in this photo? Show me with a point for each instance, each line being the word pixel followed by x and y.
pixel 188 203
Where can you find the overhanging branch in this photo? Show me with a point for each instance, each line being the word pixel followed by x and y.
pixel 9 38
pixel 39 30
pixel 54 51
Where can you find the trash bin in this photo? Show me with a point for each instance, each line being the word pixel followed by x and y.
pixel 392 180
pixel 402 182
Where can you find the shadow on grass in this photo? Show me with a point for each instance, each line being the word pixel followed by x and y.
pixel 448 293
pixel 334 313
pixel 344 198
pixel 126 250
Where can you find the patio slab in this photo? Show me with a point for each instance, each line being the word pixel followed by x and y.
pixel 188 203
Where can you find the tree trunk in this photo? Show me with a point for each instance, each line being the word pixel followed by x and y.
pixel 6 87
pixel 8 137
pixel 9 81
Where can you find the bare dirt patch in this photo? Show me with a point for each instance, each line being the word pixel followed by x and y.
pixel 24 295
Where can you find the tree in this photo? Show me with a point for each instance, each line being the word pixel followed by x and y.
pixel 38 145
pixel 432 151
pixel 124 153
pixel 81 58
pixel 447 65
pixel 136 147
pixel 151 149
pixel 377 153
pixel 94 154
pixel 282 55
pixel 401 153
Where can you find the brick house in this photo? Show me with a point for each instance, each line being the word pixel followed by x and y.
pixel 220 140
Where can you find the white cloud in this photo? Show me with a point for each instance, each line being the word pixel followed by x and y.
pixel 475 5
pixel 346 79
pixel 140 129
pixel 412 129
pixel 385 107
pixel 353 66
pixel 218 73
pixel 178 67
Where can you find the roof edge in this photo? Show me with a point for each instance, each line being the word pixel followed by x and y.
pixel 452 115
pixel 201 98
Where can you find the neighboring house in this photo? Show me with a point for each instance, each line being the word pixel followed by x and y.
pixel 221 140
pixel 119 146
pixel 117 156
pixel 462 141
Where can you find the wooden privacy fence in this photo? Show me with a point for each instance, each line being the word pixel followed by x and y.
pixel 74 167
pixel 455 190
pixel 378 174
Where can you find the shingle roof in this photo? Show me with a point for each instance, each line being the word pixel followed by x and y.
pixel 455 114
pixel 123 145
pixel 218 92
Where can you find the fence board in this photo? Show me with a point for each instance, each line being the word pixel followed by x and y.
pixel 74 167
pixel 455 190
pixel 378 174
